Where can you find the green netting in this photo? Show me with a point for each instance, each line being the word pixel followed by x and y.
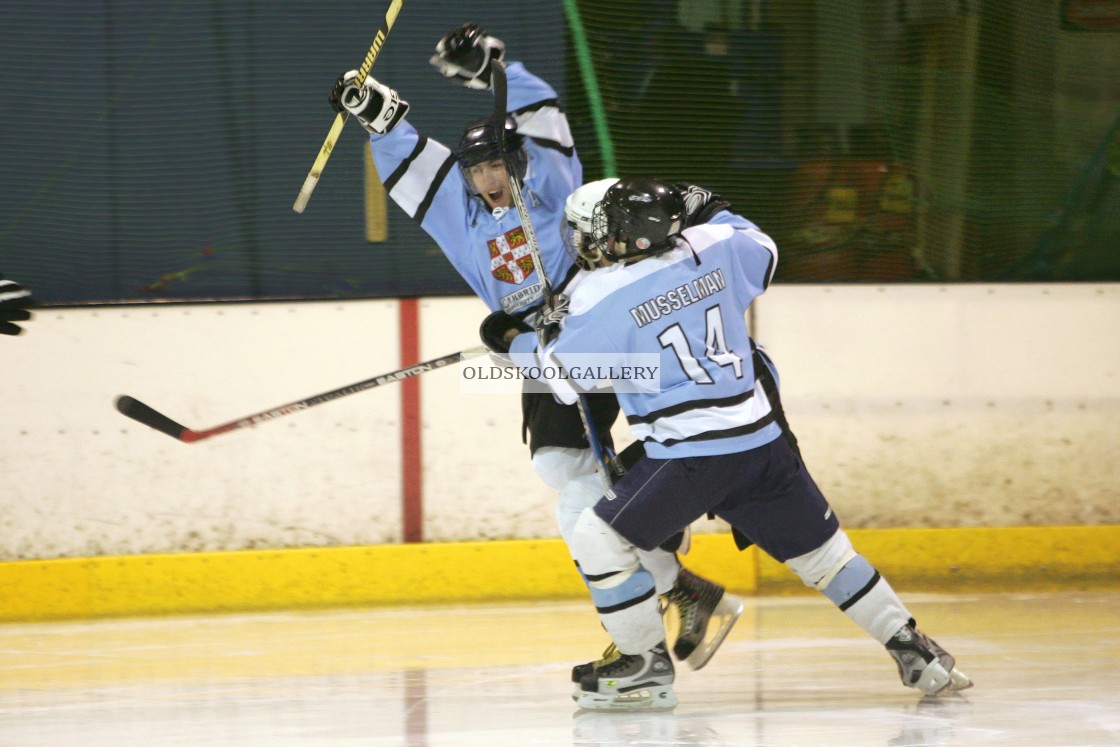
pixel 880 141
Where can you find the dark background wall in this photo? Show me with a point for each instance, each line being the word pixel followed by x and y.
pixel 154 149
pixel 151 151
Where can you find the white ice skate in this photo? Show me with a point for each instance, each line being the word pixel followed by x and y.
pixel 924 665
pixel 630 682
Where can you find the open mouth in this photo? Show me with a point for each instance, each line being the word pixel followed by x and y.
pixel 496 196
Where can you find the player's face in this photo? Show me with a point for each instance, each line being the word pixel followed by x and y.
pixel 492 182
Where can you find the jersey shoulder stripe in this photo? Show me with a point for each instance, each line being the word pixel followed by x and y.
pixel 544 123
pixel 402 167
pixel 552 102
pixel 426 203
pixel 414 182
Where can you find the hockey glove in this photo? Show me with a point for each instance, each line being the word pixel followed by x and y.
pixel 466 54
pixel 376 106
pixel 499 329
pixel 551 312
pixel 14 300
pixel 700 204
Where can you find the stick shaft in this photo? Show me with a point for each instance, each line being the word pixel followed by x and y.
pixel 501 99
pixel 325 151
pixel 152 418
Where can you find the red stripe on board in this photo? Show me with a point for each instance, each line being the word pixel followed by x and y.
pixel 412 485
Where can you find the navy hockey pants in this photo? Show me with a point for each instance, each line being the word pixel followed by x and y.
pixel 766 493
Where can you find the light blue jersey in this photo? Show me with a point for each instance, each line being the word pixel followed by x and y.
pixel 489 249
pixel 692 315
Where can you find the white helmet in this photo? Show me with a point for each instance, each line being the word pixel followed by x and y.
pixel 576 230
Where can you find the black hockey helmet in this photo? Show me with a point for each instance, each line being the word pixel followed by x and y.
pixel 638 218
pixel 479 143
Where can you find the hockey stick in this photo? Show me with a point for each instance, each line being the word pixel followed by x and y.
pixel 142 413
pixel 501 98
pixel 608 466
pixel 340 118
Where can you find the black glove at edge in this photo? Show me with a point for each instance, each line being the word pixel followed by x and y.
pixel 14 300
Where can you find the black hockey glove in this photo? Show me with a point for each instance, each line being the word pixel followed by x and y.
pixel 700 204
pixel 498 330
pixel 376 106
pixel 466 54
pixel 551 312
pixel 14 300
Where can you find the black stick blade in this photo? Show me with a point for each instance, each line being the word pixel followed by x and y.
pixel 141 413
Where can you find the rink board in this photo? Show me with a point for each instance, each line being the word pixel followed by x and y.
pixel 951 559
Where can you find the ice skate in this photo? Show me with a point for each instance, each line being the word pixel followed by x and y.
pixel 630 682
pixel 610 653
pixel 924 665
pixel 707 613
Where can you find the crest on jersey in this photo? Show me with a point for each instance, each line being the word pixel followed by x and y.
pixel 510 260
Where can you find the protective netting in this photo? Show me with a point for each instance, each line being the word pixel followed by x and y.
pixel 881 141
pixel 152 151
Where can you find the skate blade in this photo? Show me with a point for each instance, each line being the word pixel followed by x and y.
pixel 958 680
pixel 723 617
pixel 935 681
pixel 654 698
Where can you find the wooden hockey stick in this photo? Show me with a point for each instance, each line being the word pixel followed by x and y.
pixel 152 418
pixel 340 119
pixel 607 464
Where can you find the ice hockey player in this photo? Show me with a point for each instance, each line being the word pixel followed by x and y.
pixel 462 199
pixel 714 435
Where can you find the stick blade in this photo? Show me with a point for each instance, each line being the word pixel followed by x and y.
pixel 141 413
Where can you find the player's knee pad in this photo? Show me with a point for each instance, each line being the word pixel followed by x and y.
pixel 557 466
pixel 838 571
pixel 602 553
pixel 818 567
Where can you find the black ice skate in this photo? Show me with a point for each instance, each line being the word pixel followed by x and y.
pixel 924 665
pixel 630 682
pixel 707 613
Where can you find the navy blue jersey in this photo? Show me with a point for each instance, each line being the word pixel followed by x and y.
pixel 488 248
pixel 691 315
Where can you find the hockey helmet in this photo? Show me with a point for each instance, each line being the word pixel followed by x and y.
pixel 576 231
pixel 479 144
pixel 637 218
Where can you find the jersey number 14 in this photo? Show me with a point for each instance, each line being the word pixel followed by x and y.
pixel 715 348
